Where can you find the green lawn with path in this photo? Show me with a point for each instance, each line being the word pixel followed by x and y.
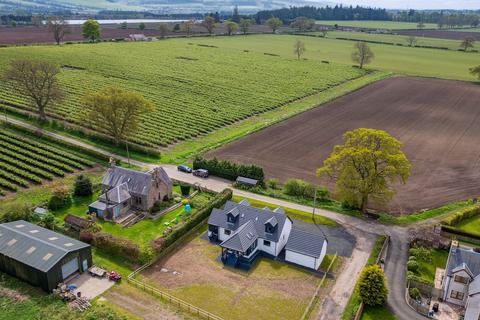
pixel 427 269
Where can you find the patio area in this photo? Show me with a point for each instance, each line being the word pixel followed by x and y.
pixel 90 287
pixel 447 311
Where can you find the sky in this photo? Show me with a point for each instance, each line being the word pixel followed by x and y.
pixel 415 4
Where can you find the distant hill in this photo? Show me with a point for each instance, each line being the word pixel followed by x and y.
pixel 156 6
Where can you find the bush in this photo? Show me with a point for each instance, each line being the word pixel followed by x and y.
pixel 228 170
pixel 461 215
pixel 61 198
pixel 414 293
pixel 372 286
pixel 219 200
pixel 300 188
pixel 117 246
pixel 185 189
pixel 17 211
pixel 421 253
pixel 273 184
pixel 412 265
pixel 48 221
pixel 83 186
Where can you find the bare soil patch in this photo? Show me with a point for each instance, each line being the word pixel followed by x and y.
pixel 271 290
pixel 441 34
pixel 13 295
pixel 436 120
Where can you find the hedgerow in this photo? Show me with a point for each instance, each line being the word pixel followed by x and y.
pixel 228 170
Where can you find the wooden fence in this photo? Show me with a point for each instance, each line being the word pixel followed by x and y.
pixel 311 304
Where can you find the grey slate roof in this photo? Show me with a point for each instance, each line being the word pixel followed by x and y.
pixel 306 243
pixel 138 182
pixel 474 286
pixel 117 195
pixel 247 181
pixel 258 216
pixel 272 221
pixel 243 238
pixel 35 246
pixel 99 205
pixel 464 256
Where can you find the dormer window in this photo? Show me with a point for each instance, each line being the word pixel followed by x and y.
pixel 232 216
pixel 271 225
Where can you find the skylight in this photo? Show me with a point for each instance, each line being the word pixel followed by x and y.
pixel 52 238
pixel 31 250
pixel 33 231
pixel 19 226
pixel 68 244
pixel 47 256
pixel 11 242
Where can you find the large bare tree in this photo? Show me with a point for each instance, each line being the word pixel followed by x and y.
pixel 362 54
pixel 36 79
pixel 58 27
pixel 299 48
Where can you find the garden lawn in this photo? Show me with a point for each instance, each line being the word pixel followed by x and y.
pixel 392 25
pixel 471 225
pixel 292 213
pixel 426 269
pixel 377 313
pixel 140 233
pixel 435 63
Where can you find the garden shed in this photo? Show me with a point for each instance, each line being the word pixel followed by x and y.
pixel 39 256
pixel 305 248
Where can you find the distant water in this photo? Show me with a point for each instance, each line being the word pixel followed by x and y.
pixel 118 21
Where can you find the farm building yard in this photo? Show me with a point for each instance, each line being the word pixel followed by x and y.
pixel 271 290
pixel 434 119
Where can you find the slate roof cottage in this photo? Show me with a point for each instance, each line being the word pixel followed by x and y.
pixel 126 189
pixel 244 232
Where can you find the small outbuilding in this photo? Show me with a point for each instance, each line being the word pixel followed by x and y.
pixel 305 248
pixel 247 181
pixel 39 256
pixel 76 223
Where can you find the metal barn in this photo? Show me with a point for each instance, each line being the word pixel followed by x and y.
pixel 40 256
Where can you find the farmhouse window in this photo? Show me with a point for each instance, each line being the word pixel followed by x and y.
pixel 461 279
pixel 457 295
pixel 227 232
pixel 266 243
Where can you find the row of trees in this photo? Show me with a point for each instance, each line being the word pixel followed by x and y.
pixel 442 18
pixel 59 28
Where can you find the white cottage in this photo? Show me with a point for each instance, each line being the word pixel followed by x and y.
pixel 244 232
pixel 461 284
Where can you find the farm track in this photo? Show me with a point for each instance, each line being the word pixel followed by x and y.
pixel 434 119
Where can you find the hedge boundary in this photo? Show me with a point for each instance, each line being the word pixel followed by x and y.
pixel 449 223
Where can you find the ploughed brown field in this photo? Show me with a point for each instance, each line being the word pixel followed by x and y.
pixel 438 122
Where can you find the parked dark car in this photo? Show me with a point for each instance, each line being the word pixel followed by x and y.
pixel 202 173
pixel 184 168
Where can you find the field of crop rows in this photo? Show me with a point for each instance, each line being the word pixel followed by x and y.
pixel 25 161
pixel 196 88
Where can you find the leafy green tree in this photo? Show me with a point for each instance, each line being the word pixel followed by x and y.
pixel 412 265
pixel 163 28
pixel 274 23
pixel 467 43
pixel 303 23
pixel 475 71
pixel 372 286
pixel 83 186
pixel 48 221
pixel 299 48
pixel 91 30
pixel 231 27
pixel 362 54
pixel 366 165
pixel 245 24
pixel 187 27
pixel 61 198
pixel 37 80
pixel 117 111
pixel 124 25
pixel 414 293
pixel 141 26
pixel 17 211
pixel 209 24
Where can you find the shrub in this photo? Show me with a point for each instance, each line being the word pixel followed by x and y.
pixel 294 187
pixel 300 188
pixel 461 215
pixel 83 186
pixel 228 170
pixel 116 245
pixel 48 221
pixel 414 293
pixel 421 253
pixel 61 198
pixel 372 286
pixel 273 184
pixel 17 211
pixel 185 189
pixel 412 265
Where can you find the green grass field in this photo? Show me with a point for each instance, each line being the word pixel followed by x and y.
pixel 195 88
pixel 471 225
pixel 421 41
pixel 403 60
pixel 392 25
pixel 377 313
